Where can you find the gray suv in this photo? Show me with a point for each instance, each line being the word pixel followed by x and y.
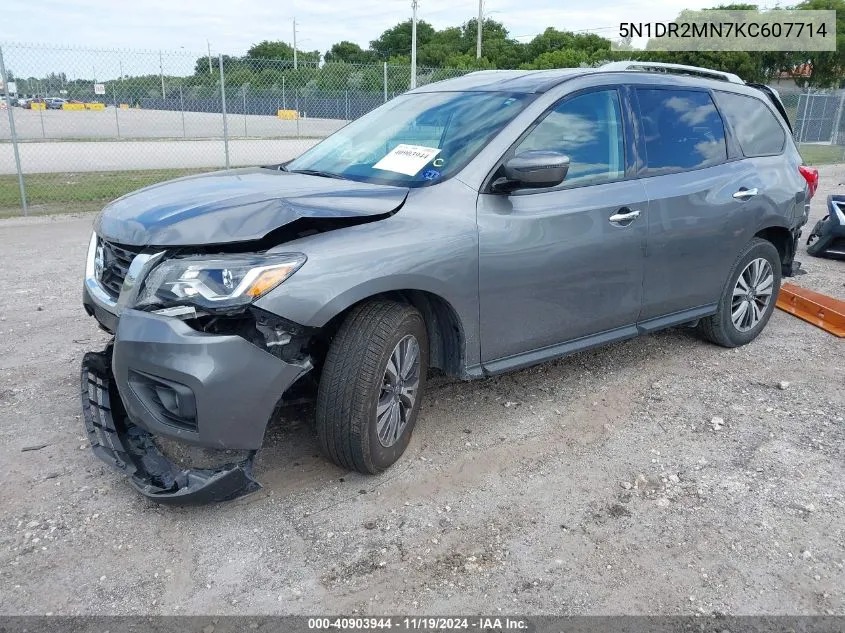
pixel 476 225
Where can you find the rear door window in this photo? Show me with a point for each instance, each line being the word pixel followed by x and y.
pixel 757 129
pixel 682 130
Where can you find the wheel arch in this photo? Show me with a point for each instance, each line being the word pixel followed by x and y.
pixel 783 239
pixel 446 333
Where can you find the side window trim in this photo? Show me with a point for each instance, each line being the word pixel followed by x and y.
pixel 642 171
pixel 775 116
pixel 625 127
pixel 731 139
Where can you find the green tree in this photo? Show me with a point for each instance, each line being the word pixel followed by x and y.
pixel 827 67
pixel 397 40
pixel 271 50
pixel 350 53
pixel 468 61
pixel 440 47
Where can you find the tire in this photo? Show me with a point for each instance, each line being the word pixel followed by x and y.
pixel 721 328
pixel 355 386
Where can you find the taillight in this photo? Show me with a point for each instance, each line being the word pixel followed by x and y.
pixel 812 178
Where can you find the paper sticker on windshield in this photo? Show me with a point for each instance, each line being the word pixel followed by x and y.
pixel 407 159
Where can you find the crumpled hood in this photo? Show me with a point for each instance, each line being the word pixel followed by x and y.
pixel 236 206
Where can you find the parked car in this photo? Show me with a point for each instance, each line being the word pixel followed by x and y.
pixel 55 103
pixel 476 225
pixel 28 103
pixel 21 102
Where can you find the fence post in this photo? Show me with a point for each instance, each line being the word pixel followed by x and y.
pixel 834 137
pixel 800 138
pixel 284 103
pixel 116 118
pixel 385 82
pixel 243 88
pixel 223 108
pixel 13 134
pixel 41 109
pixel 182 108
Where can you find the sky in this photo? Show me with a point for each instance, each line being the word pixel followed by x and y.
pixel 183 28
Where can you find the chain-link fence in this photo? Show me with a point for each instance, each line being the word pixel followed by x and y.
pixel 86 126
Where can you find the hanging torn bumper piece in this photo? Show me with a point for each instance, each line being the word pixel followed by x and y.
pixel 131 449
pixel 827 239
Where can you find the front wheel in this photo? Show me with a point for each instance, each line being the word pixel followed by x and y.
pixel 749 297
pixel 371 386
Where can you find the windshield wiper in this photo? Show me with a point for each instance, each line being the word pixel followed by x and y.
pixel 316 172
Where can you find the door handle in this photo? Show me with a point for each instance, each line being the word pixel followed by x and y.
pixel 627 216
pixel 744 194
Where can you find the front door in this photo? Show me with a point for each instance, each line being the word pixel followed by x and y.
pixel 563 263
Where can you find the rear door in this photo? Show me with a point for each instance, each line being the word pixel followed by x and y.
pixel 764 141
pixel 699 195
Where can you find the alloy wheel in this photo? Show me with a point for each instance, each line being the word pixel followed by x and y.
pixel 752 294
pixel 399 389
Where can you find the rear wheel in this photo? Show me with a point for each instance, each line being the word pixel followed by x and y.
pixel 749 297
pixel 371 386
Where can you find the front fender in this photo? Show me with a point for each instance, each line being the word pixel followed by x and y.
pixel 437 255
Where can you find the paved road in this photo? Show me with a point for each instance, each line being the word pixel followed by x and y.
pixel 91 156
pixel 85 141
pixel 143 124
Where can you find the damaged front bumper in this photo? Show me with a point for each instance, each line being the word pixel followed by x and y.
pixel 162 378
pixel 827 239
pixel 131 449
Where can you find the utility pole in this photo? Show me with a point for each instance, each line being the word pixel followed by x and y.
pixel 414 45
pixel 294 45
pixel 480 21
pixel 161 73
pixel 210 69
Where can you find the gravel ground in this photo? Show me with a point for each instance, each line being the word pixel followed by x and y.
pixel 598 484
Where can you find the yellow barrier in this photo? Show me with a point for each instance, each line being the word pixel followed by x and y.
pixel 288 115
pixel 83 106
pixel 124 106
pixel 38 106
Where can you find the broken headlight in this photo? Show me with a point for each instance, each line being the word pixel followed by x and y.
pixel 216 282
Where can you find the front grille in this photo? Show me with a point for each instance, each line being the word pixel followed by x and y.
pixel 116 261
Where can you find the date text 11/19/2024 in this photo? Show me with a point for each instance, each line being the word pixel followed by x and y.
pixel 419 623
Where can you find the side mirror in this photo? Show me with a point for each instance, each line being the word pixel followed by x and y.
pixel 535 169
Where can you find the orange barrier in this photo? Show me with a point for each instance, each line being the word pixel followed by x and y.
pixel 813 307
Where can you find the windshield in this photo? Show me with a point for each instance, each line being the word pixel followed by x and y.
pixel 415 139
